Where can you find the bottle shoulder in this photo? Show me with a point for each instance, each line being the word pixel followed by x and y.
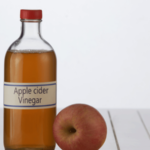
pixel 30 44
pixel 20 55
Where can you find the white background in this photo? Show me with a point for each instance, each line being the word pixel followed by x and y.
pixel 102 47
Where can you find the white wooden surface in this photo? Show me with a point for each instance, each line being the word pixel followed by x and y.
pixel 127 129
pixel 1 129
pixel 110 143
pixel 145 118
pixel 130 132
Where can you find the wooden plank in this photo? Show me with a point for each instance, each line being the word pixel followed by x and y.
pixel 145 118
pixel 110 143
pixel 1 129
pixel 129 129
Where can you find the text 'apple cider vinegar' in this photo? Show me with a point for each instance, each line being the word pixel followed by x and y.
pixel 29 88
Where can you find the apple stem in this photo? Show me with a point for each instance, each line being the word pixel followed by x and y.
pixel 72 130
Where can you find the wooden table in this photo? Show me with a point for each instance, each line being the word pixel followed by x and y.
pixel 128 129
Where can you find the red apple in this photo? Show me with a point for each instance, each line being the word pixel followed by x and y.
pixel 79 127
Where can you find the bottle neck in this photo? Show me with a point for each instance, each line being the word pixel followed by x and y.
pixel 31 29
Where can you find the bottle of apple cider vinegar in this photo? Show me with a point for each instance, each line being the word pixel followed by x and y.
pixel 29 88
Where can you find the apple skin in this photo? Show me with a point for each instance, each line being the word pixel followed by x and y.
pixel 79 127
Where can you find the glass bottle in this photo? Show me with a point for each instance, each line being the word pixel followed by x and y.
pixel 29 88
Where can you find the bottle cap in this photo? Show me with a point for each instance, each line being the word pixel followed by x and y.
pixel 30 14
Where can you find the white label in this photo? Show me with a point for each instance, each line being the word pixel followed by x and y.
pixel 29 95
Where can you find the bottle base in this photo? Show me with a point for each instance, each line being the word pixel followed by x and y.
pixel 29 148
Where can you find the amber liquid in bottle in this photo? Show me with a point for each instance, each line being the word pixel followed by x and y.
pixel 29 129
